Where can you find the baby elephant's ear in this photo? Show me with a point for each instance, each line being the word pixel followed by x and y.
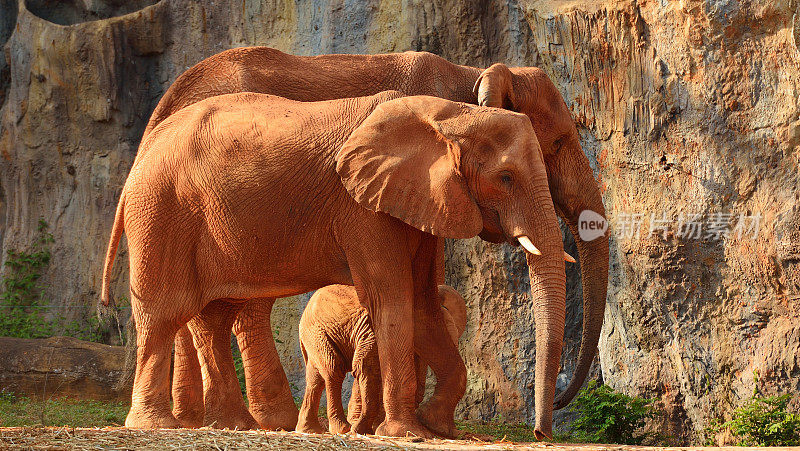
pixel 399 162
pixel 455 311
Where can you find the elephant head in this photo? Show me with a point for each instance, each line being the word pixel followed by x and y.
pixel 455 311
pixel 573 187
pixel 456 170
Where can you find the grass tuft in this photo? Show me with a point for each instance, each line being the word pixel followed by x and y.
pixel 23 411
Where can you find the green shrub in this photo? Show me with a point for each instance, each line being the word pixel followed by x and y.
pixel 607 416
pixel 23 308
pixel 762 421
pixel 21 302
pixel 239 366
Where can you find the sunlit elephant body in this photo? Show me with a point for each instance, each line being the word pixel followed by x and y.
pixel 336 338
pixel 527 90
pixel 250 196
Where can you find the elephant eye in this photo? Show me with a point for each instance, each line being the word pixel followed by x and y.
pixel 558 143
pixel 506 179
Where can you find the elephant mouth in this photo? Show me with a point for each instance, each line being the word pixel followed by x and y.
pixel 492 228
pixel 493 237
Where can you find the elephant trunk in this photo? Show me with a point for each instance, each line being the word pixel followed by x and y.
pixel 549 310
pixel 593 256
pixel 548 293
pixel 494 88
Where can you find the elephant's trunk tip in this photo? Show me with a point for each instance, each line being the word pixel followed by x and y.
pixel 541 434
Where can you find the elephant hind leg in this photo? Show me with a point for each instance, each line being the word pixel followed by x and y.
pixel 187 382
pixel 337 420
pixel 355 406
pixel 150 407
pixel 268 392
pixel 308 421
pixel 222 396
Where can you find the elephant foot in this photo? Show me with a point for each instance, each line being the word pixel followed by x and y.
pixel 336 426
pixel 408 428
pixel 240 420
pixel 191 419
pixel 275 417
pixel 543 430
pixel 310 427
pixel 438 419
pixel 362 426
pixel 140 418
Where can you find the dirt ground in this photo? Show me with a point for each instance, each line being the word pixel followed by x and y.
pixel 66 438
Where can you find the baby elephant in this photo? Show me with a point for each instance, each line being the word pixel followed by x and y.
pixel 336 337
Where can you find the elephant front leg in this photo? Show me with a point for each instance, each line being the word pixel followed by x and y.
pixel 222 396
pixel 394 335
pixel 379 252
pixel 187 382
pixel 390 302
pixel 268 392
pixel 433 344
pixel 435 347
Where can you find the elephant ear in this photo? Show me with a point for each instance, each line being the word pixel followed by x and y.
pixel 494 87
pixel 455 311
pixel 400 162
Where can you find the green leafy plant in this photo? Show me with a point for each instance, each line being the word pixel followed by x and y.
pixel 86 328
pixel 761 421
pixel 238 364
pixel 21 301
pixel 23 306
pixel 607 416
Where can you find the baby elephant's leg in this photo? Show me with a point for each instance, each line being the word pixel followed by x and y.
pixel 308 421
pixel 337 420
pixel 354 407
pixel 367 374
pixel 222 396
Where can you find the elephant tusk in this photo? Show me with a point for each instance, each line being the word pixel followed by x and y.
pixel 528 245
pixel 568 257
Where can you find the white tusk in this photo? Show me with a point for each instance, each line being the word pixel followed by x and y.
pixel 568 257
pixel 526 243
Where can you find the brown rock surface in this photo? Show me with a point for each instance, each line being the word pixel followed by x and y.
pixel 683 107
pixel 62 367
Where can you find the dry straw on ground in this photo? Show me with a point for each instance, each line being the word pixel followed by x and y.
pixel 66 438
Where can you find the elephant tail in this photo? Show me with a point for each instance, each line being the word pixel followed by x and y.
pixel 116 233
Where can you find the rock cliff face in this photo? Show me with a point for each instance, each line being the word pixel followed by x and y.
pixel 63 367
pixel 688 112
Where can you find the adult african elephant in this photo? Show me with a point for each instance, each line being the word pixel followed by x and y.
pixel 525 89
pixel 247 195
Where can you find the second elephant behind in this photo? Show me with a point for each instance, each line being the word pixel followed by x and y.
pixel 336 338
